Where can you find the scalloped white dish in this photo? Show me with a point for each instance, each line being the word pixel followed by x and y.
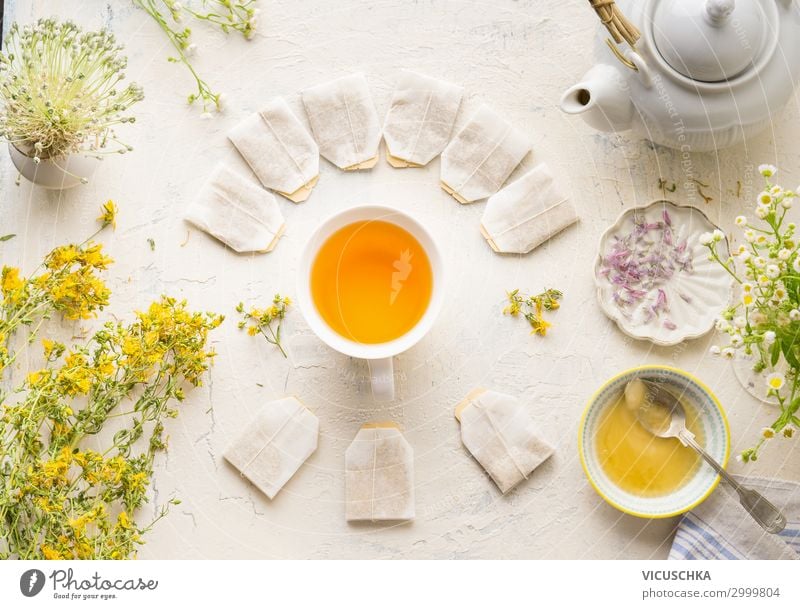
pixel 680 301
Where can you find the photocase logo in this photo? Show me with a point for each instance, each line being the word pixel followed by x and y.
pixel 31 582
pixel 402 268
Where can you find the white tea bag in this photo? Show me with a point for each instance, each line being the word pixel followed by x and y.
pixel 501 436
pixel 379 474
pixel 279 150
pixel 238 212
pixel 344 122
pixel 420 119
pixel 526 213
pixel 480 158
pixel 275 444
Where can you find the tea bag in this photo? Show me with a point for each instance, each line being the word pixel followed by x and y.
pixel 379 474
pixel 238 212
pixel 526 213
pixel 279 150
pixel 344 122
pixel 501 436
pixel 420 119
pixel 480 158
pixel 275 444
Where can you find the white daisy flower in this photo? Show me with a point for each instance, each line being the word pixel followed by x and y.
pixel 706 238
pixel 769 338
pixel 728 353
pixel 768 432
pixel 762 211
pixel 788 431
pixel 775 190
pixel 767 170
pixel 750 235
pixel 786 203
pixel 784 254
pixel 747 287
pixel 744 256
pixel 764 198
pixel 736 340
pixel 718 235
pixel 759 262
pixel 779 294
pixel 773 272
pixel 740 322
pixel 741 220
pixel 794 314
pixel 761 240
pixel 747 300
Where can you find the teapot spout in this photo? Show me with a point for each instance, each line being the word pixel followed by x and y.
pixel 601 98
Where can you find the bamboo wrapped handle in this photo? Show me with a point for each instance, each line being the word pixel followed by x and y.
pixel 618 26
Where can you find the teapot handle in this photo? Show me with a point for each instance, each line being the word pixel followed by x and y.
pixel 619 27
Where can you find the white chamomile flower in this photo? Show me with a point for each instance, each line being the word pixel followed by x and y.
pixel 744 256
pixel 747 288
pixel 784 254
pixel 715 350
pixel 762 211
pixel 773 272
pixel 779 295
pixel 794 315
pixel 741 220
pixel 767 170
pixel 728 353
pixel 749 235
pixel 764 198
pixel 796 264
pixel 717 235
pixel 786 203
pixel 788 431
pixel 739 322
pixel 775 190
pixel 764 281
pixel 768 432
pixel 747 300
pixel 776 381
pixel 759 262
pixel 706 238
pixel 740 250
pixel 736 340
pixel 769 337
pixel 761 240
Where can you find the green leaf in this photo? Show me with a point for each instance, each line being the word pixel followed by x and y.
pixel 7 237
pixel 776 352
pixel 787 346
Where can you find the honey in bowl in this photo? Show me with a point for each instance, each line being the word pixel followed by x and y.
pixel 639 462
pixel 371 281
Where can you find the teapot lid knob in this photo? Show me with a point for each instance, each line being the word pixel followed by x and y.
pixel 719 11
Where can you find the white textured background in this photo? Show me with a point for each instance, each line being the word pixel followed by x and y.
pixel 517 56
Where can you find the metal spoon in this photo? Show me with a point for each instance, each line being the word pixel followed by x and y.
pixel 652 394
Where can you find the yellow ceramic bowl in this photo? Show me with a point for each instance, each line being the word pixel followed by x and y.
pixel 715 431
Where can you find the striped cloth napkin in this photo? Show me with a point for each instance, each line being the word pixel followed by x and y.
pixel 720 528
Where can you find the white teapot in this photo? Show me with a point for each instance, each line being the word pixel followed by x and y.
pixel 695 74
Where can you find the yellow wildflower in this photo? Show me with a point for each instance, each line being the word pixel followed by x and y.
pixel 11 284
pixel 252 330
pixel 48 346
pixel 51 553
pixel 109 214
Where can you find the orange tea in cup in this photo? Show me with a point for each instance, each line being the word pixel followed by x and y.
pixel 371 281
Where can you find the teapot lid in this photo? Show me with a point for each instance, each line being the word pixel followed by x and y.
pixel 711 40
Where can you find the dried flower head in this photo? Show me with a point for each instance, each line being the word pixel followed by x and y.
pixel 62 90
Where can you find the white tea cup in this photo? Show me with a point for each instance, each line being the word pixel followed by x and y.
pixel 378 355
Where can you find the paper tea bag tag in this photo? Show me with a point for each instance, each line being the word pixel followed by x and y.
pixel 526 213
pixel 238 212
pixel 279 150
pixel 275 444
pixel 501 436
pixel 379 475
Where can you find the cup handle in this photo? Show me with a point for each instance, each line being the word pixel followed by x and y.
pixel 381 374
